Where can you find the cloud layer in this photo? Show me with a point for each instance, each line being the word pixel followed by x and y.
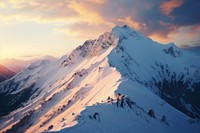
pixel 160 19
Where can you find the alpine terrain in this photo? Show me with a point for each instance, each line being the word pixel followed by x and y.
pixel 120 82
pixel 5 73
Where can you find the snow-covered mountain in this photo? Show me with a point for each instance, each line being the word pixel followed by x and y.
pixel 121 82
pixel 5 73
pixel 17 65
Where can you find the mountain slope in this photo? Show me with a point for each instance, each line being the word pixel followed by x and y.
pixel 120 82
pixel 165 69
pixel 5 73
pixel 17 65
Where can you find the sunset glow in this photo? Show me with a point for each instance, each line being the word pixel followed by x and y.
pixel 47 27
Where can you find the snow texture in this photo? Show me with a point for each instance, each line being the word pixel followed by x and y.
pixel 121 82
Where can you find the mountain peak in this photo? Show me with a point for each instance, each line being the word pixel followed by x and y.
pixel 90 48
pixel 120 74
pixel 173 50
pixel 125 32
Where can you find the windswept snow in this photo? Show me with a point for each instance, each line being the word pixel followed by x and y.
pixel 106 85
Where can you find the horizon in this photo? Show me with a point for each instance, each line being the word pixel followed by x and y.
pixel 33 29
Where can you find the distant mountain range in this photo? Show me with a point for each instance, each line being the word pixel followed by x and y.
pixel 5 73
pixel 16 65
pixel 120 82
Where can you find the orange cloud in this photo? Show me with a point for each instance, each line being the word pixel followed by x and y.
pixel 167 7
pixel 86 15
pixel 130 22
pixel 172 28
pixel 83 30
pixel 92 13
pixel 195 30
pixel 73 18
pixel 38 11
pixel 101 2
pixel 159 38
pixel 2 4
pixel 49 11
pixel 162 35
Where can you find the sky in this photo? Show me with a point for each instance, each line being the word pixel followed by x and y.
pixel 34 28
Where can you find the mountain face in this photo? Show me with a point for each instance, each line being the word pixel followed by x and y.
pixel 17 65
pixel 5 73
pixel 123 81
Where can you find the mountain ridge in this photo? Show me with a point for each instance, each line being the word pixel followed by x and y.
pixel 109 83
pixel 5 73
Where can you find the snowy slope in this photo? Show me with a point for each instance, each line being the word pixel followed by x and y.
pixel 165 69
pixel 5 73
pixel 17 65
pixel 106 85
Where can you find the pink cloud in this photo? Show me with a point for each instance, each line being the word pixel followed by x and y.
pixel 129 21
pixel 167 7
pixel 194 31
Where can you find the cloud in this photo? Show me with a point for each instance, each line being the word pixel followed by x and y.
pixel 144 16
pixel 2 4
pixel 83 30
pixel 194 46
pixel 195 30
pixel 37 10
pixel 51 11
pixel 86 15
pixel 101 2
pixel 159 38
pixel 160 19
pixel 128 20
pixel 187 14
pixel 168 6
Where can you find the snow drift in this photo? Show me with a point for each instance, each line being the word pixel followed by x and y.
pixel 121 82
